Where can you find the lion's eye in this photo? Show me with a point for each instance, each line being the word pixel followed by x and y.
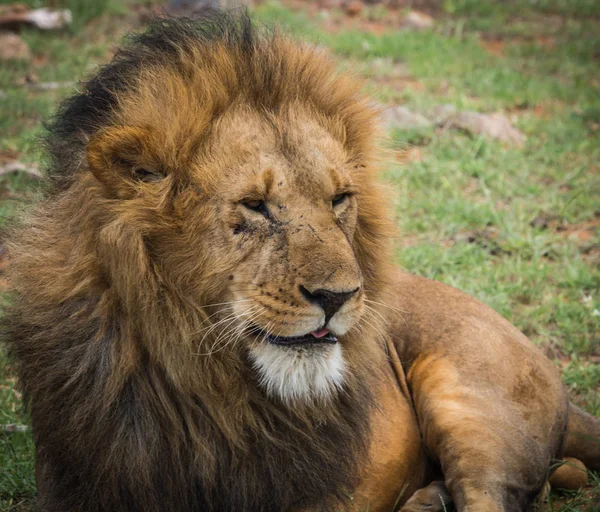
pixel 147 175
pixel 256 205
pixel 339 199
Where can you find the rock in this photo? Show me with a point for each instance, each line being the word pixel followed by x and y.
pixel 402 118
pixel 12 47
pixel 417 20
pixel 441 113
pixel 496 126
pixel 571 475
pixel 353 8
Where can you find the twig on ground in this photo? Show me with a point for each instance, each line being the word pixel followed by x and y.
pixel 19 167
pixel 13 427
pixel 49 86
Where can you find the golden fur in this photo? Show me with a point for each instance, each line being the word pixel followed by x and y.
pixel 204 188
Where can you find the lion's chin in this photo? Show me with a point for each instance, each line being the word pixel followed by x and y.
pixel 300 372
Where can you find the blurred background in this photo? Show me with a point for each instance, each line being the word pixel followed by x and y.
pixel 491 116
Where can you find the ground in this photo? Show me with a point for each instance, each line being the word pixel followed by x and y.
pixel 515 225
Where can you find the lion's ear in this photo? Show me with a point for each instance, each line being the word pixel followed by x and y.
pixel 119 156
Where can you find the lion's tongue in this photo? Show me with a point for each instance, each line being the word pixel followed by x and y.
pixel 320 333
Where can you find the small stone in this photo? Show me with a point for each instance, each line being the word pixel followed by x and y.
pixel 496 126
pixel 12 47
pixel 417 20
pixel 402 118
pixel 441 113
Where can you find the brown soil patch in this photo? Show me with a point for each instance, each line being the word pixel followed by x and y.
pixel 583 231
pixel 493 47
pixel 400 83
pixel 336 16
pixel 539 111
pixel 585 234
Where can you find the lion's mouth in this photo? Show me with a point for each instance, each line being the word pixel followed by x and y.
pixel 318 337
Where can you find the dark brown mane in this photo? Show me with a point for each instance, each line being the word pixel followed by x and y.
pixel 124 416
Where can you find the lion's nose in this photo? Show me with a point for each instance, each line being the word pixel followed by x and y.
pixel 329 300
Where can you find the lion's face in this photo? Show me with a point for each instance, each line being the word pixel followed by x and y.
pixel 289 217
pixel 259 233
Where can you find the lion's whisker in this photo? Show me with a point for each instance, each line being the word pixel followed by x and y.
pixel 242 328
pixel 228 319
pixel 227 331
pixel 396 310
pixel 372 310
pixel 250 314
pixel 213 325
pixel 384 304
pixel 214 314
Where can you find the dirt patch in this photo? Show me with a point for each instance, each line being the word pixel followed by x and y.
pixel 583 231
pixel 494 46
pixel 400 83
pixel 343 15
pixel 539 111
pixel 487 238
pixel 585 234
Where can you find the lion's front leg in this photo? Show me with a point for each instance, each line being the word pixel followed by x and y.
pixel 492 458
pixel 491 407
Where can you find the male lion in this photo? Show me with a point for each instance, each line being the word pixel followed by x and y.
pixel 205 315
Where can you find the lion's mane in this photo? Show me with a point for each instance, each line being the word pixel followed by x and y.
pixel 124 416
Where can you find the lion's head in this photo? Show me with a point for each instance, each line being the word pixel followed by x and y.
pixel 254 219
pixel 206 271
pixel 234 174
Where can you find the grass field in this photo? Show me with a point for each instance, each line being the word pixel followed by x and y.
pixel 516 226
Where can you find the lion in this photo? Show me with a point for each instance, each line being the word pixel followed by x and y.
pixel 205 316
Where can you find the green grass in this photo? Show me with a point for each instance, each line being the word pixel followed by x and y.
pixel 467 207
pixel 17 483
